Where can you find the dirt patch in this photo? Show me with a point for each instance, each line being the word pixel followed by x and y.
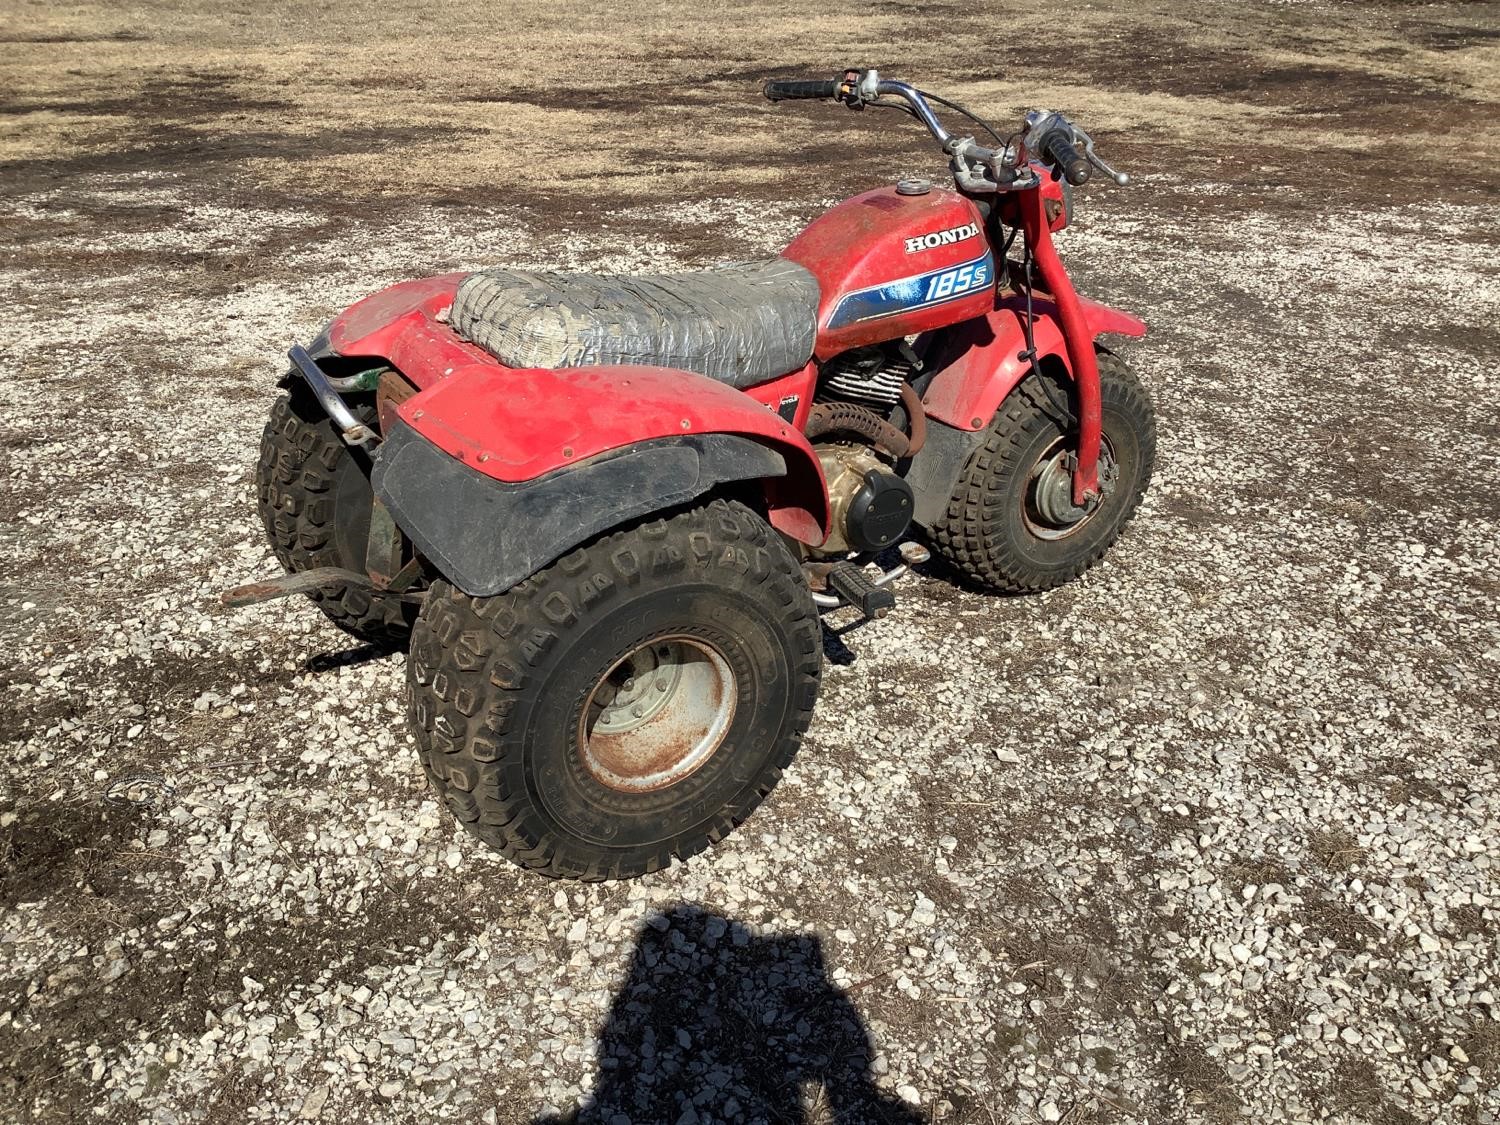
pixel 1356 1088
pixel 65 849
pixel 1336 849
pixel 193 985
pixel 1210 1093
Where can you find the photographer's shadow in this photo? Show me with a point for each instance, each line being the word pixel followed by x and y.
pixel 734 1028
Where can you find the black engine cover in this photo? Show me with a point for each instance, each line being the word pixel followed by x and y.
pixel 879 513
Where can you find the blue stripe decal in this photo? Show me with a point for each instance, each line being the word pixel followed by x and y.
pixel 915 292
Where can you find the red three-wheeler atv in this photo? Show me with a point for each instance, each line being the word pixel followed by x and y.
pixel 608 510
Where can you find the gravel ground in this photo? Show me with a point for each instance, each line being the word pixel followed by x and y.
pixel 1210 834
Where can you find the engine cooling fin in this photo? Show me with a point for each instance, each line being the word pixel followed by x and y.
pixel 871 376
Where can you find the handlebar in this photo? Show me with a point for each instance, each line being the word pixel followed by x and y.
pixel 1057 149
pixel 786 89
pixel 1050 136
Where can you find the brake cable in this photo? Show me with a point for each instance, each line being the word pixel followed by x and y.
pixel 902 106
pixel 1004 280
pixel 974 117
pixel 1029 355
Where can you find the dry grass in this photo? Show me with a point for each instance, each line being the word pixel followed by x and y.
pixel 442 98
pixel 195 182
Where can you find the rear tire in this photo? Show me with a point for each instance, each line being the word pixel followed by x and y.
pixel 632 702
pixel 1002 529
pixel 314 497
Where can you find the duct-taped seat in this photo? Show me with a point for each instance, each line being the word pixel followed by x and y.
pixel 740 324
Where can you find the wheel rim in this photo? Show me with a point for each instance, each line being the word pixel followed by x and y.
pixel 657 715
pixel 1047 503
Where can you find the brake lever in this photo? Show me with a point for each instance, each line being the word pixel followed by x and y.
pixel 1120 178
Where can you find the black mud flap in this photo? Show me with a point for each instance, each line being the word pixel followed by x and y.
pixel 934 475
pixel 486 535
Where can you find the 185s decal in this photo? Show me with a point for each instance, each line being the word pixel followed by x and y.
pixel 916 292
pixel 959 279
pixel 942 238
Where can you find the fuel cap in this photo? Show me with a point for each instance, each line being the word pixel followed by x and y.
pixel 913 187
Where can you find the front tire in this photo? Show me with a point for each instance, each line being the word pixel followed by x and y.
pixel 632 702
pixel 1009 525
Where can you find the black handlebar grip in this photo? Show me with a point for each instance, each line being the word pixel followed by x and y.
pixel 784 89
pixel 1059 149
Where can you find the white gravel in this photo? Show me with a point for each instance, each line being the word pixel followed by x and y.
pixel 1210 834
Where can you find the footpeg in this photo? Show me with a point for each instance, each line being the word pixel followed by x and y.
pixel 854 586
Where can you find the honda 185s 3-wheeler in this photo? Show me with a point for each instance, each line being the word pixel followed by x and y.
pixel 608 510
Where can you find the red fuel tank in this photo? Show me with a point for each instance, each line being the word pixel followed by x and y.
pixel 892 264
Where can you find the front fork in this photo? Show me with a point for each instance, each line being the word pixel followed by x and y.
pixel 1078 340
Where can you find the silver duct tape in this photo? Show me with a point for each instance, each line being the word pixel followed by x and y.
pixel 739 324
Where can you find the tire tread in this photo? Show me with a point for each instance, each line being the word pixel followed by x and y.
pixel 965 535
pixel 299 456
pixel 480 775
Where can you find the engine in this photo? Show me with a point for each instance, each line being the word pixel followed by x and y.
pixel 871 507
pixel 870 376
pixel 857 391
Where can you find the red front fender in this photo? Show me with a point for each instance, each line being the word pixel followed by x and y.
pixel 981 361
pixel 517 425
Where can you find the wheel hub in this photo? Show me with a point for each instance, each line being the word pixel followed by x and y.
pixel 657 715
pixel 641 687
pixel 1048 504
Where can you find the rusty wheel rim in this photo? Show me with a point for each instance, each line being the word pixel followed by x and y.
pixel 657 715
pixel 1047 506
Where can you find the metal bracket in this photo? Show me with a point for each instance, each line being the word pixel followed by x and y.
pixel 305 582
pixel 988 177
pixel 383 549
pixel 351 429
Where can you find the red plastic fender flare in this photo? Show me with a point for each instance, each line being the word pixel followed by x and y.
pixel 517 425
pixel 982 360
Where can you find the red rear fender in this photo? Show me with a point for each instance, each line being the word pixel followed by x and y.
pixel 518 425
pixel 363 326
pixel 400 325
